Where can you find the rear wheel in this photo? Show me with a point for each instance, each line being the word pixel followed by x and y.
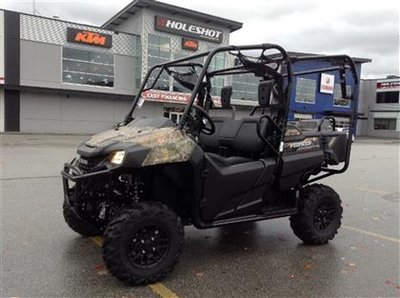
pixel 319 216
pixel 143 243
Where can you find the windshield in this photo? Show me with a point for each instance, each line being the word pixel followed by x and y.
pixel 173 83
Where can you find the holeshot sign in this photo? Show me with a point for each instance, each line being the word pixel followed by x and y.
pixel 183 28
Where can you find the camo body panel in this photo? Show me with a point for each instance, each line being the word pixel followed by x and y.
pixel 167 145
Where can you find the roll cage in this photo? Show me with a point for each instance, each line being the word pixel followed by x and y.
pixel 277 67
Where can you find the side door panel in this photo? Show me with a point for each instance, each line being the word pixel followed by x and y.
pixel 226 188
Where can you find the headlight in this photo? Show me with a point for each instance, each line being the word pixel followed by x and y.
pixel 117 157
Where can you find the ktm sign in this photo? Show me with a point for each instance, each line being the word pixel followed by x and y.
pixel 89 37
pixel 190 44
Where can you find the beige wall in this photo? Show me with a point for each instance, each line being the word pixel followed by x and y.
pixel 1 70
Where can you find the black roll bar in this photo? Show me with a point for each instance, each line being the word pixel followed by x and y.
pixel 340 63
pixel 128 118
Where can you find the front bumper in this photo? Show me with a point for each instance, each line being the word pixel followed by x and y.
pixel 75 182
pixel 71 173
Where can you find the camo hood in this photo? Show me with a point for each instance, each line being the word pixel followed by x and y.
pixel 167 144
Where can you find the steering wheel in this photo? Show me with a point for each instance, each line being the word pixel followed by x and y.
pixel 201 115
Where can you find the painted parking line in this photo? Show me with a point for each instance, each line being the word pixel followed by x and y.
pixel 382 192
pixel 98 240
pixel 162 290
pixel 383 237
pixel 29 177
pixel 157 288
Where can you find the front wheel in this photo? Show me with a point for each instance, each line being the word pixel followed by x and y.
pixel 143 243
pixel 319 216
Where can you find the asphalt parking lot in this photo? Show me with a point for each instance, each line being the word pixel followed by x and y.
pixel 42 257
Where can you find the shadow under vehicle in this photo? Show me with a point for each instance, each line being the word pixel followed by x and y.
pixel 140 183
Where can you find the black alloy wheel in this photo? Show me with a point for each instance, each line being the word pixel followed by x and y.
pixel 149 246
pixel 143 244
pixel 319 215
pixel 324 215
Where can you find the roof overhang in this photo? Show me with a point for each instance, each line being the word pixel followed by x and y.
pixel 355 59
pixel 137 5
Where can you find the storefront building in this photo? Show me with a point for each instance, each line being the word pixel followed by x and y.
pixel 381 107
pixel 62 77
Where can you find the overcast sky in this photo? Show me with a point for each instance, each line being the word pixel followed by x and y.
pixel 360 28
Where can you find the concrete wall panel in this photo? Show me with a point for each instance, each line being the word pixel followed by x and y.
pixel 52 113
pixel 41 66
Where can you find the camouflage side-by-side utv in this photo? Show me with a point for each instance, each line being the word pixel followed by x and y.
pixel 139 184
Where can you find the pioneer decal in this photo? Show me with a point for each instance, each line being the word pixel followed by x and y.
pixel 307 144
pixel 183 28
pixel 89 37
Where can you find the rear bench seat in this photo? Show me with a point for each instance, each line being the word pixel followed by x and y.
pixel 237 139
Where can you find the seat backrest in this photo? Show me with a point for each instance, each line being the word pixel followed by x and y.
pixel 241 137
pixel 211 142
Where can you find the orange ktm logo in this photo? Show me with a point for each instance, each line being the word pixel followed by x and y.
pixel 190 44
pixel 89 37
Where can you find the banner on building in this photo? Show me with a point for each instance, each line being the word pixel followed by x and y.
pixel 385 85
pixel 327 83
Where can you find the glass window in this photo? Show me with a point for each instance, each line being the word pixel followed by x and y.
pixel 385 123
pixel 164 43
pixel 87 67
pixel 245 87
pixel 159 51
pixel 154 39
pixel 159 47
pixel 387 97
pixel 305 90
pixel 217 62
pixel 337 96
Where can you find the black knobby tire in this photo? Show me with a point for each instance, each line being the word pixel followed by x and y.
pixel 139 266
pixel 319 216
pixel 76 224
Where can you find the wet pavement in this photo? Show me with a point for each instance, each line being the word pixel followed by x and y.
pixel 42 257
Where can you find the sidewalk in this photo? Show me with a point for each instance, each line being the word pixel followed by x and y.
pixel 9 139
pixel 366 139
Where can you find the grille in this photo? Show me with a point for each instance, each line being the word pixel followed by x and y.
pixel 87 165
pixel 83 165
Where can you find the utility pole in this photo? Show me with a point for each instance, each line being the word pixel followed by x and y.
pixel 34 10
